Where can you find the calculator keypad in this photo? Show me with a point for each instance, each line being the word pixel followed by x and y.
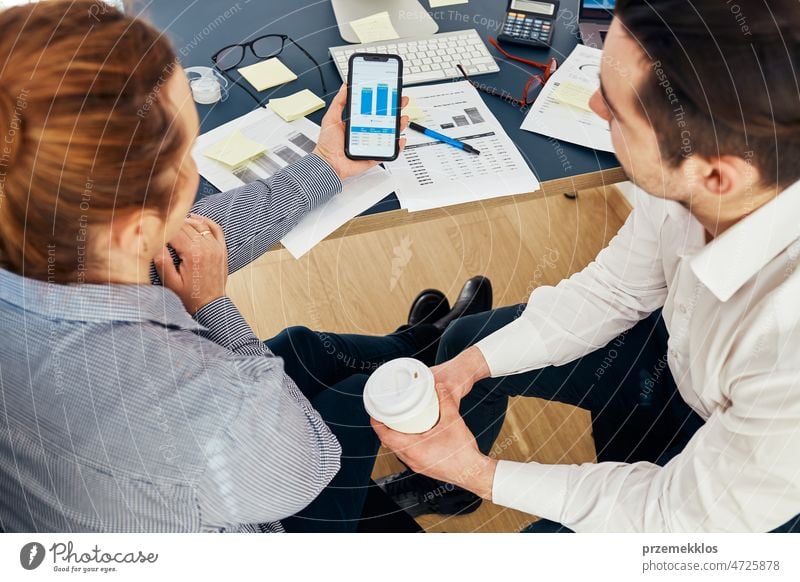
pixel 527 27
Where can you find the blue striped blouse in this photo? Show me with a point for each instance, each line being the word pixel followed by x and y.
pixel 119 412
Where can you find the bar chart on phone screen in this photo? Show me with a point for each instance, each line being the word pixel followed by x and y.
pixel 373 121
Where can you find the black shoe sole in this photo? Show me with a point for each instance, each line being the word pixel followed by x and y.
pixel 431 497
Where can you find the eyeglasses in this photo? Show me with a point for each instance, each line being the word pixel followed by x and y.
pixel 534 83
pixel 263 47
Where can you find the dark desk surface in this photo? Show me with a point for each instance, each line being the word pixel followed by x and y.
pixel 198 28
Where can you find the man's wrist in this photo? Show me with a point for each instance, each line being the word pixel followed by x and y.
pixel 479 476
pixel 475 363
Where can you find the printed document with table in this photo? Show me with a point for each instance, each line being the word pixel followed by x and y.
pixel 431 174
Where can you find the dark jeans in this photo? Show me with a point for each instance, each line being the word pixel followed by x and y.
pixel 637 412
pixel 331 371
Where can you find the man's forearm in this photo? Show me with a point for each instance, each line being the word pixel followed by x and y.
pixel 625 283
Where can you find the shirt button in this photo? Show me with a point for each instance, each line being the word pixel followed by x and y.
pixel 673 352
pixel 682 308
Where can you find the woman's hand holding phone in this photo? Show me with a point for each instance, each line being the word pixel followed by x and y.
pixel 330 146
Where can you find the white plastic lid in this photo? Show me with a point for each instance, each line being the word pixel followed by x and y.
pixel 205 84
pixel 205 90
pixel 398 390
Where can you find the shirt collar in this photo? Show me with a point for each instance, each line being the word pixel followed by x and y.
pixel 96 303
pixel 730 260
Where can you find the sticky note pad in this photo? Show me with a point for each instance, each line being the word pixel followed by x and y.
pixel 413 110
pixel 234 149
pixel 266 74
pixel 573 94
pixel 296 105
pixel 374 28
pixel 440 3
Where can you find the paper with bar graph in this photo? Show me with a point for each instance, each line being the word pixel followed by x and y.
pixel 431 174
pixel 285 143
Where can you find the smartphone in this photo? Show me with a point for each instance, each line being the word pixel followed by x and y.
pixel 374 87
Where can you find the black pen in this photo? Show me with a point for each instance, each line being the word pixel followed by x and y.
pixel 443 138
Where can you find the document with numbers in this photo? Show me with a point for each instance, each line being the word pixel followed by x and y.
pixel 430 174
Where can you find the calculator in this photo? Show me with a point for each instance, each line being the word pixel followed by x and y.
pixel 529 22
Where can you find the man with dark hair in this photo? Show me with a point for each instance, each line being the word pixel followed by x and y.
pixel 681 337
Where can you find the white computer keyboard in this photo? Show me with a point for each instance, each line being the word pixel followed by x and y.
pixel 427 58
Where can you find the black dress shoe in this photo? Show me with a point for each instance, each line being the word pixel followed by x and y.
pixel 429 306
pixel 419 495
pixel 475 297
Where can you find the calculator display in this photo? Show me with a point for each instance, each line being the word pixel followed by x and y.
pixel 530 6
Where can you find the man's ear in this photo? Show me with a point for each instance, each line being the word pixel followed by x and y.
pixel 722 175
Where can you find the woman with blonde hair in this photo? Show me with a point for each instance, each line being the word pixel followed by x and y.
pixel 128 406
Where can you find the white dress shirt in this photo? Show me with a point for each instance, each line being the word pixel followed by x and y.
pixel 732 309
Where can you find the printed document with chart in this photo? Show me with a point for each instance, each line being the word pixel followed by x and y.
pixel 280 144
pixel 430 174
pixel 561 110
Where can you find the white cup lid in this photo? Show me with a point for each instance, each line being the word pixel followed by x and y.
pixel 398 389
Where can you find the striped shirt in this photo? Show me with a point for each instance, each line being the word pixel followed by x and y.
pixel 119 412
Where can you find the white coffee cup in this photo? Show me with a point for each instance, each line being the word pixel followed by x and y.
pixel 401 394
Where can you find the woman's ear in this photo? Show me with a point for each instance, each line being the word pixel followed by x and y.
pixel 135 232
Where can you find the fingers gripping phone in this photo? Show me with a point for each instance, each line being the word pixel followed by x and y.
pixel 374 87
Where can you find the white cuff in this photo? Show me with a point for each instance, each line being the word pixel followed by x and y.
pixel 516 347
pixel 534 488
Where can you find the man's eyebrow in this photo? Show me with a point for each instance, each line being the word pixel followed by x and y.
pixel 607 102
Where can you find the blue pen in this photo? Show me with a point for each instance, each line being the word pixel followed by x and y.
pixel 443 138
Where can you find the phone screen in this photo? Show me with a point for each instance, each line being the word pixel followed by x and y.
pixel 374 98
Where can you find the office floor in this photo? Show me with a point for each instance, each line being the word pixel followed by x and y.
pixel 364 284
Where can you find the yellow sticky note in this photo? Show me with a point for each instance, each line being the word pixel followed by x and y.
pixel 374 28
pixel 440 3
pixel 266 74
pixel 413 110
pixel 234 149
pixel 296 105
pixel 574 94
